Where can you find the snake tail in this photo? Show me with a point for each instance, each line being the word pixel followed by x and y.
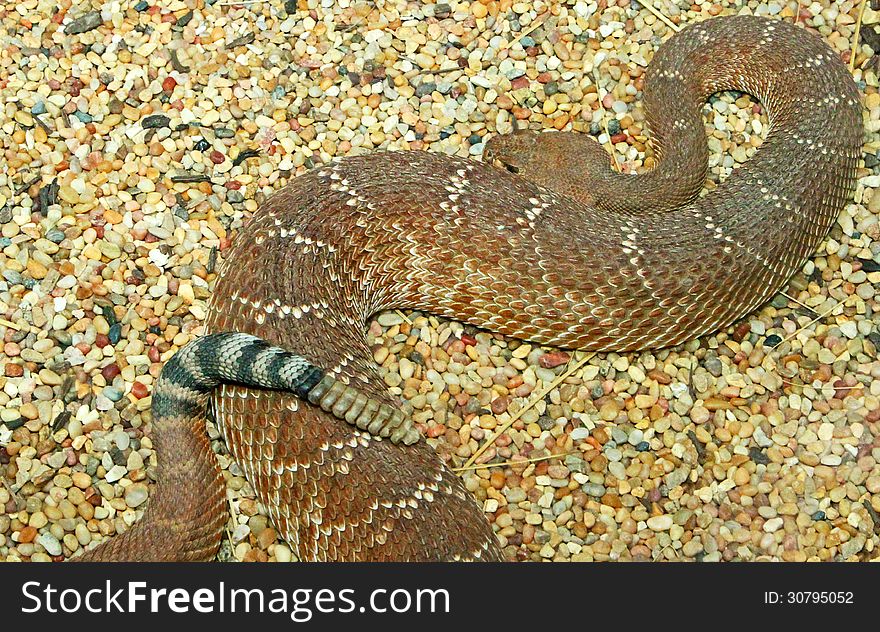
pixel 178 407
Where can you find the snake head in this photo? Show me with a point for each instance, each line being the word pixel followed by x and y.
pixel 514 151
pixel 549 157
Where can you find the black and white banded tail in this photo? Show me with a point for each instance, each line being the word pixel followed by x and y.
pixel 236 358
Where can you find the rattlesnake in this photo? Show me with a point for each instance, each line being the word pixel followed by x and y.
pixel 566 252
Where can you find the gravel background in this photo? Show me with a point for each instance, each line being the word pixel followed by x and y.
pixel 138 136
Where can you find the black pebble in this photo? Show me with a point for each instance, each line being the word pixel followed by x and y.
pixel 63 338
pixel 184 19
pixel 772 340
pixel 118 457
pixel 48 195
pixel 756 455
pixel 60 421
pixel 108 313
pixel 155 121
pixel 442 10
pixel 546 422
pixel 92 466
pixel 85 23
pixel 55 236
pixel 248 153
pixel 869 265
pixel 871 37
pixel 15 423
pixel 426 88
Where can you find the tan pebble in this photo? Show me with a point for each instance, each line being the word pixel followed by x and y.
pixel 68 194
pixel 36 269
pixel 112 216
pixel 609 410
pixel 714 403
pixel 92 252
pixel 660 523
pixel 479 10
pixel 136 494
pixel 282 553
pixel 699 414
pixel 24 118
pixel 266 537
pixel 38 520
pixel 49 377
pixel 185 292
pixel 29 411
pixel 86 510
pixel 645 401
pixel 488 422
pixel 522 351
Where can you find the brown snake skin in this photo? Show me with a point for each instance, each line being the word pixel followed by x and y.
pixel 568 253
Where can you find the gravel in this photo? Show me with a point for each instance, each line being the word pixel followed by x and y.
pixel 137 142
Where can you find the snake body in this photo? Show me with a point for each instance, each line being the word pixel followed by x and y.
pixel 565 253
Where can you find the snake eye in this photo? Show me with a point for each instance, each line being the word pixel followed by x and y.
pixel 511 168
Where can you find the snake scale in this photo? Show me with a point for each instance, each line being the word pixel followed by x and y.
pixel 563 252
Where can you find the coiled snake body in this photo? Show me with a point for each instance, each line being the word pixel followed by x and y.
pixel 566 253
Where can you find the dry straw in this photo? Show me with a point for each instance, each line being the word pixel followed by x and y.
pixel 855 44
pixel 573 366
pixel 537 459
pixel 675 27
